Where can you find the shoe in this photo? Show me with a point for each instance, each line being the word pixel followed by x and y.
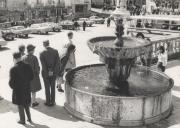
pixel 35 104
pixel 52 104
pixel 30 121
pixel 47 104
pixel 21 122
pixel 60 90
pixel 1 98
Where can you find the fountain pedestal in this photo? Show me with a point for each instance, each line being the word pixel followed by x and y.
pixel 118 69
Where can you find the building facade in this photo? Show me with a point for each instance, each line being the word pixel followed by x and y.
pixel 3 11
pixel 78 8
pixel 22 10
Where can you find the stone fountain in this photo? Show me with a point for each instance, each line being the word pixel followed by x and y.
pixel 118 92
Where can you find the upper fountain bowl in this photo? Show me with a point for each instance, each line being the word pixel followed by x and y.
pixel 133 47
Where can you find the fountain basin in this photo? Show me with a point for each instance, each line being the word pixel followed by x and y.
pixel 119 60
pixel 105 47
pixel 145 99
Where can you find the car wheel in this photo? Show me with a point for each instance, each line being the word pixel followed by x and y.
pixel 140 35
pixel 12 38
pixel 5 38
pixel 26 35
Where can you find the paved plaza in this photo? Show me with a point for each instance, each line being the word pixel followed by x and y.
pixel 57 116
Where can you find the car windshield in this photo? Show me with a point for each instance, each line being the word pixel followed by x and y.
pixel 93 17
pixel 35 26
pixel 19 27
pixel 83 19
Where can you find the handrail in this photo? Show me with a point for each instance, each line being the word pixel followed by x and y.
pixel 171 44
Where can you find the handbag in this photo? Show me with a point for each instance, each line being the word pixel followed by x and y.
pixel 60 80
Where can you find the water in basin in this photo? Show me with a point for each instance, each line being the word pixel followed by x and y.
pixel 141 82
pixel 128 42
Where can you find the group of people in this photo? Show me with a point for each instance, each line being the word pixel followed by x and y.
pixel 24 75
pixel 162 59
pixel 77 26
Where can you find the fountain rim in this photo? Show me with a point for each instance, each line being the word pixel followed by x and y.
pixel 91 42
pixel 171 82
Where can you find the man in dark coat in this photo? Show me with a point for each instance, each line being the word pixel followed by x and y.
pixel 20 77
pixel 50 62
pixel 108 22
pixel 84 26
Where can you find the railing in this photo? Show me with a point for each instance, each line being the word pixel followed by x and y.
pixel 172 45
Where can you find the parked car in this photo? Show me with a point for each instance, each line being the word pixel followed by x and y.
pixel 7 34
pixel 55 26
pixel 20 31
pixel 40 28
pixel 2 41
pixel 67 24
pixel 97 20
pixel 88 22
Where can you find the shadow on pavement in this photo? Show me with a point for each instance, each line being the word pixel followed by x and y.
pixel 29 37
pixel 34 125
pixel 56 111
pixel 176 88
pixel 4 49
pixel 7 106
pixel 173 63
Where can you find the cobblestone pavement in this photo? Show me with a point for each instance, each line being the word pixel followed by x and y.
pixel 57 116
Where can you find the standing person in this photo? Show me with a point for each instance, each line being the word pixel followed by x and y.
pixel 84 25
pixel 50 68
pixel 108 22
pixel 20 77
pixel 68 60
pixel 71 63
pixel 162 59
pixel 35 83
pixel 64 60
pixel 76 25
pixel 22 50
pixel 1 98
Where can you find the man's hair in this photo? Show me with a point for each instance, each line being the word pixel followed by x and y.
pixel 46 43
pixel 17 55
pixel 162 48
pixel 21 48
pixel 70 34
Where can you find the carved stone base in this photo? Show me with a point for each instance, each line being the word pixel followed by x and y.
pixel 119 70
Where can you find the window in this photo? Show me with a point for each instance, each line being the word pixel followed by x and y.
pixel 79 8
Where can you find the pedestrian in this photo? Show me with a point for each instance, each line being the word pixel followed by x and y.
pixel 64 60
pixel 68 60
pixel 1 98
pixel 108 22
pixel 84 25
pixel 50 68
pixel 76 25
pixel 21 75
pixel 32 60
pixel 71 63
pixel 162 59
pixel 22 50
